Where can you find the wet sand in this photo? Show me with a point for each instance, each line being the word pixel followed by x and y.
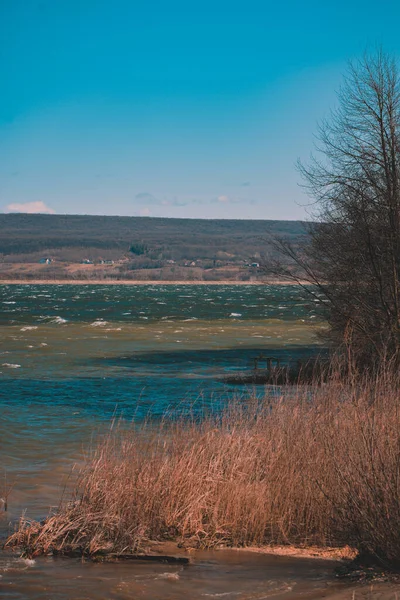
pixel 373 591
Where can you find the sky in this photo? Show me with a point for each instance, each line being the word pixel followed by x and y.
pixel 172 108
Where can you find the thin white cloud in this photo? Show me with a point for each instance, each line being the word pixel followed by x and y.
pixel 225 200
pixel 30 208
pixel 147 198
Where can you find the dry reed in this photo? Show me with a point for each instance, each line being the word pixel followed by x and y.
pixel 321 466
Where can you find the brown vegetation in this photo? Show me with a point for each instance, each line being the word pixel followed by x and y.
pixel 318 467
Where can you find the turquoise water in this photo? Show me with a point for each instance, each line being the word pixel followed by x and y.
pixel 92 349
pixel 73 356
pixel 38 304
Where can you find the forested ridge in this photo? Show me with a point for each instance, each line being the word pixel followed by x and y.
pixel 74 236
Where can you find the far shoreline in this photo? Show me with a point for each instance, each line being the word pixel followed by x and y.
pixel 128 282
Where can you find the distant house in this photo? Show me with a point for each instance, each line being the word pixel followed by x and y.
pixel 45 261
pixel 255 265
pixel 106 262
pixel 86 261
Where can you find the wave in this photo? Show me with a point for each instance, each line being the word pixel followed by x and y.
pixel 11 365
pixel 58 320
pixel 50 319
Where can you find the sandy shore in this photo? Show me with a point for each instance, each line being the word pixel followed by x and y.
pixel 135 282
pixel 337 554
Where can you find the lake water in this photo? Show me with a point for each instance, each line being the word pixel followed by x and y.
pixel 72 356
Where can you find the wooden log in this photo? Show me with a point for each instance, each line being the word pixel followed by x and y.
pixel 164 558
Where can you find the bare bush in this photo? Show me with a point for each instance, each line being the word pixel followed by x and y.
pixel 352 257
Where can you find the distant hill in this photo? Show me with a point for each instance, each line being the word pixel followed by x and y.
pixel 136 243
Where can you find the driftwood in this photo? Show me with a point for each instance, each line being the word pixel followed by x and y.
pixel 158 558
pixel 164 558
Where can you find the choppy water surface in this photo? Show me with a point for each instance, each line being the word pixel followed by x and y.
pixel 72 356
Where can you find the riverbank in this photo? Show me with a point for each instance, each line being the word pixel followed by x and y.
pixel 140 282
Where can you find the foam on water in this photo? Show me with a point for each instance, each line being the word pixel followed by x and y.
pixel 57 320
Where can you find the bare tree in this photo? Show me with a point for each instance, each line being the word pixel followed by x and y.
pixel 352 257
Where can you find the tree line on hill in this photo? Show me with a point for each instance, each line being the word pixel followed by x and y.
pixel 144 242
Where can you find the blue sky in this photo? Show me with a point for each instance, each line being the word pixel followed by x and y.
pixel 172 108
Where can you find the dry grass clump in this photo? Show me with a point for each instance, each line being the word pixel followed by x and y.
pixel 321 467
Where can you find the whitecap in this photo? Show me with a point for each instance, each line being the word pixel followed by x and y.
pixel 58 320
pixel 28 327
pixel 235 315
pixel 10 302
pixel 11 365
pixel 50 319
pixel 98 323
